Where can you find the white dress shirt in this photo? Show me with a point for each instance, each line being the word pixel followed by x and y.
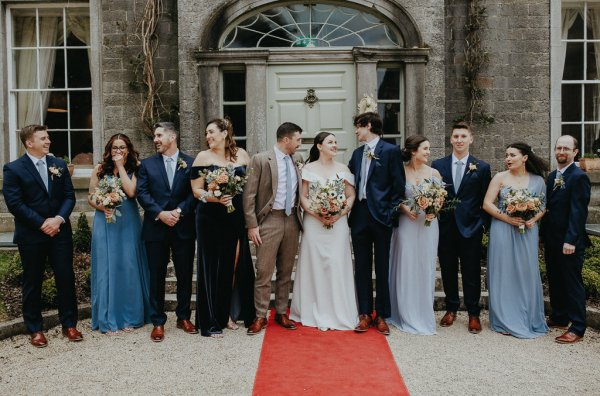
pixel 279 203
pixel 563 170
pixel 174 156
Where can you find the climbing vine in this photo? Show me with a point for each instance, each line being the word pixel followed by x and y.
pixel 476 58
pixel 153 109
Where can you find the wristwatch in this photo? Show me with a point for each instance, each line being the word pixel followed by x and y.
pixel 178 210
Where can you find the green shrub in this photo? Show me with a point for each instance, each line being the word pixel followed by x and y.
pixel 11 270
pixel 591 281
pixel 594 250
pixel 82 236
pixel 49 293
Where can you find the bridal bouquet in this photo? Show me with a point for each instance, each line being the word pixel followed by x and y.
pixel 521 203
pixel 109 193
pixel 224 181
pixel 430 198
pixel 327 199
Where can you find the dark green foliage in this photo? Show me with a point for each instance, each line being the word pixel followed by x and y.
pixel 49 293
pixel 82 237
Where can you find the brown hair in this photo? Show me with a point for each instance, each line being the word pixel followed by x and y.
pixel 411 145
pixel 224 124
pixel 107 166
pixel 462 125
pixel 362 120
pixel 28 131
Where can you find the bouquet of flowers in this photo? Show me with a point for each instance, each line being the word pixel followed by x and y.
pixel 109 193
pixel 224 181
pixel 521 203
pixel 430 198
pixel 327 199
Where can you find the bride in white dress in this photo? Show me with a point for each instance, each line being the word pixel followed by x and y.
pixel 324 293
pixel 414 249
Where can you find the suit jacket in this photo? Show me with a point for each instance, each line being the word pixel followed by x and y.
pixel 469 214
pixel 261 188
pixel 28 200
pixel 385 181
pixel 567 208
pixel 155 195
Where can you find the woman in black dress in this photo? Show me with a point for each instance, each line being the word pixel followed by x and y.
pixel 224 261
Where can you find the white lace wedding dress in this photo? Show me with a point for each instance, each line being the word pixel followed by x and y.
pixel 324 293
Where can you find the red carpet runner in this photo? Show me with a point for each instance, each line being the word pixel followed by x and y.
pixel 312 362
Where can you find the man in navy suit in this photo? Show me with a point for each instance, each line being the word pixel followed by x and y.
pixel 461 229
pixel 39 193
pixel 377 167
pixel 165 193
pixel 568 192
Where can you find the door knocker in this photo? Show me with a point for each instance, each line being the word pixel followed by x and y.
pixel 310 97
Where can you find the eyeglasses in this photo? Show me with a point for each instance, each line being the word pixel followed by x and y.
pixel 117 148
pixel 563 148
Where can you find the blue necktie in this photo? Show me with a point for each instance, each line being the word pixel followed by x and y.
pixel 362 192
pixel 43 173
pixel 458 174
pixel 170 172
pixel 288 186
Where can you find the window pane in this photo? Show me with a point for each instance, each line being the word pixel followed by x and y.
pixel 576 30
pixel 592 139
pixel 237 114
pixel 592 102
pixel 388 83
pixel 23 34
pixel 573 130
pixel 593 61
pixel 28 109
pixel 82 147
pixel 571 102
pixel 78 23
pixel 25 69
pixel 234 86
pixel 397 141
pixel 81 109
pixel 78 71
pixel 574 62
pixel 57 114
pixel 391 117
pixel 59 143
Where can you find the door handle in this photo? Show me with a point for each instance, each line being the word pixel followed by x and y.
pixel 310 97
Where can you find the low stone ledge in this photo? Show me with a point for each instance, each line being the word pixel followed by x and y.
pixel 17 326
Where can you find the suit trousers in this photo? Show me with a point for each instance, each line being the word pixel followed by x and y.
pixel 567 292
pixel 453 249
pixel 59 254
pixel 159 253
pixel 369 235
pixel 280 237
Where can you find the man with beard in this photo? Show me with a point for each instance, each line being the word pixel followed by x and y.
pixel 165 193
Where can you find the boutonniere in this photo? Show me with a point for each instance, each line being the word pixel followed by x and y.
pixel 559 182
pixel 299 165
pixel 181 164
pixel 472 167
pixel 54 171
pixel 371 155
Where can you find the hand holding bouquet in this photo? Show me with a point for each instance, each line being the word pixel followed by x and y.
pixel 223 181
pixel 521 203
pixel 109 194
pixel 430 198
pixel 327 200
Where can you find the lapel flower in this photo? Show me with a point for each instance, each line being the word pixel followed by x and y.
pixel 472 167
pixel 371 155
pixel 54 171
pixel 559 182
pixel 181 164
pixel 299 165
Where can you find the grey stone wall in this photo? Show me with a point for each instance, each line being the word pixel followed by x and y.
pixel 122 101
pixel 517 80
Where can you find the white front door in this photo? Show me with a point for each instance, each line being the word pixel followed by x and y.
pixel 330 108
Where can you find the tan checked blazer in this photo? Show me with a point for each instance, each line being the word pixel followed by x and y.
pixel 260 190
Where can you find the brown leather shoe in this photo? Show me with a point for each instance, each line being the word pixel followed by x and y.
pixel 72 334
pixel 568 338
pixel 448 319
pixel 257 326
pixel 158 333
pixel 554 325
pixel 381 326
pixel 474 324
pixel 38 340
pixel 187 326
pixel 285 322
pixel 364 322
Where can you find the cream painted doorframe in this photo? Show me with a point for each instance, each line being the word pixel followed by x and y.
pixel 334 88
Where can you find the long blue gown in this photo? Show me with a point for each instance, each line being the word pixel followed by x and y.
pixel 120 280
pixel 516 299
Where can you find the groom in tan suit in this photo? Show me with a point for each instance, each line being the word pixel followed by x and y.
pixel 274 223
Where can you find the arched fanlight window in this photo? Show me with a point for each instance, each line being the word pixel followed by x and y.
pixel 310 25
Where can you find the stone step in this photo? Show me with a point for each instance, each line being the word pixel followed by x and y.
pixel 438 301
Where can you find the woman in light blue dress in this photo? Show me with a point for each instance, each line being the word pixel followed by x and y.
pixel 516 300
pixel 120 282
pixel 413 250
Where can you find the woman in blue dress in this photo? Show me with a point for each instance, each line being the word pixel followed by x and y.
pixel 120 282
pixel 516 300
pixel 225 289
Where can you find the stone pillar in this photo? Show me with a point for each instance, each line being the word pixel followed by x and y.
pixel 256 110
pixel 414 94
pixel 208 103
pixel 366 79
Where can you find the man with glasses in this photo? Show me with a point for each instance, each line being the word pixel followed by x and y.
pixel 165 193
pixel 568 192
